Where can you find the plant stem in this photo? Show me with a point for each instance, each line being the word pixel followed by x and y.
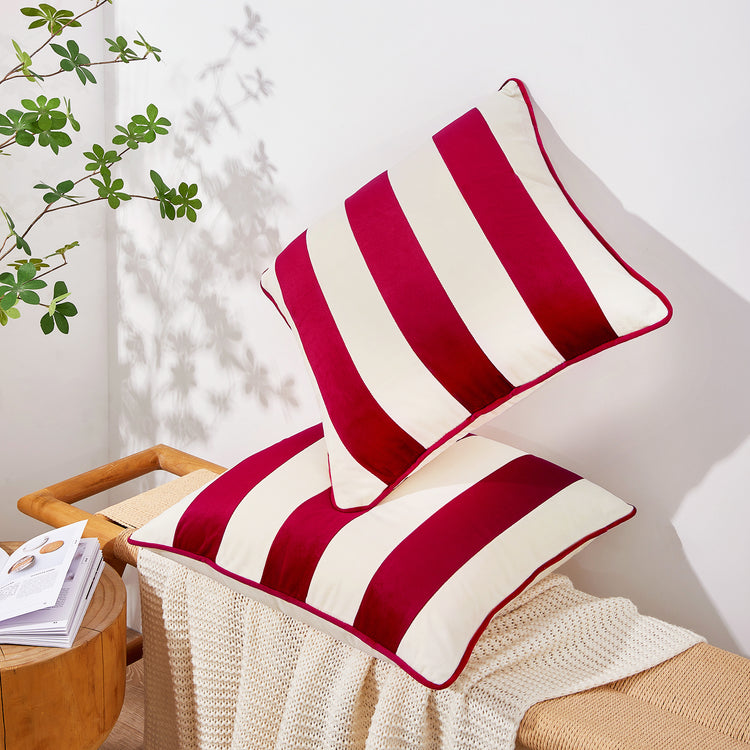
pixel 50 210
pixel 87 65
pixel 2 247
pixel 51 270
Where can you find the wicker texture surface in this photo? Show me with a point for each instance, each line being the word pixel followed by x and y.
pixel 606 719
pixel 140 509
pixel 227 672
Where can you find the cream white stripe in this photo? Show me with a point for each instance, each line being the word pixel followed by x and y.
pixel 431 644
pixel 353 485
pixel 469 269
pixel 370 538
pixel 627 304
pixel 380 353
pixel 265 508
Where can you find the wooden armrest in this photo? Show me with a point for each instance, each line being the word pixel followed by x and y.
pixel 53 504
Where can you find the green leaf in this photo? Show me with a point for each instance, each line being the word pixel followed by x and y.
pixel 56 193
pixel 111 190
pixel 186 202
pixel 29 297
pixel 26 272
pixel 165 196
pixel 144 128
pixel 62 250
pixel 71 58
pixel 54 20
pixel 11 224
pixel 60 292
pixel 47 323
pixel 61 322
pixel 8 300
pixel 68 309
pixel 25 59
pixel 58 311
pixel 58 141
pixel 20 287
pixel 41 120
pixel 72 120
pixel 20 124
pixel 120 47
pixel 100 159
pixel 150 49
pixel 130 136
pixel 38 263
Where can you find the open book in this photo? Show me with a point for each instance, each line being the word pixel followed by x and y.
pixel 46 586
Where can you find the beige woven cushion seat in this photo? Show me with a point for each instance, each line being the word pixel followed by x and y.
pixel 698 700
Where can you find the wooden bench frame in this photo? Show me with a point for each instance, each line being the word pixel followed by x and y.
pixel 54 504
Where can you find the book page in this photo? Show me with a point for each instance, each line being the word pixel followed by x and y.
pixel 33 575
pixel 59 616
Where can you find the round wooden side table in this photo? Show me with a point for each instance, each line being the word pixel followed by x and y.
pixel 67 697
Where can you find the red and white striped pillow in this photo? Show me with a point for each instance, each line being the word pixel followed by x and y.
pixel 444 288
pixel 416 578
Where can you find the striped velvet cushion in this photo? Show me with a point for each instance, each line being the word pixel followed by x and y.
pixel 444 288
pixel 416 578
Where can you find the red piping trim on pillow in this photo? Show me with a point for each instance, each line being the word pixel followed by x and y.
pixel 376 646
pixel 529 106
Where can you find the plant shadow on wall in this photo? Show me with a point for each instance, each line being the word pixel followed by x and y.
pixel 185 353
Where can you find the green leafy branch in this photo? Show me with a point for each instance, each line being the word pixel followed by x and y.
pixel 25 126
pixel 49 123
pixel 56 22
pixel 73 59
pixel 141 129
pixel 173 203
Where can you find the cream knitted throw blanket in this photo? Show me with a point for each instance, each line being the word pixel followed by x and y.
pixel 226 672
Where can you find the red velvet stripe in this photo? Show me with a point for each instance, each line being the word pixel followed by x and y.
pixel 534 258
pixel 373 439
pixel 201 528
pixel 435 551
pixel 300 542
pixel 417 300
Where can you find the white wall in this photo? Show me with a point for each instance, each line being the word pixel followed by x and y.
pixel 53 389
pixel 645 112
